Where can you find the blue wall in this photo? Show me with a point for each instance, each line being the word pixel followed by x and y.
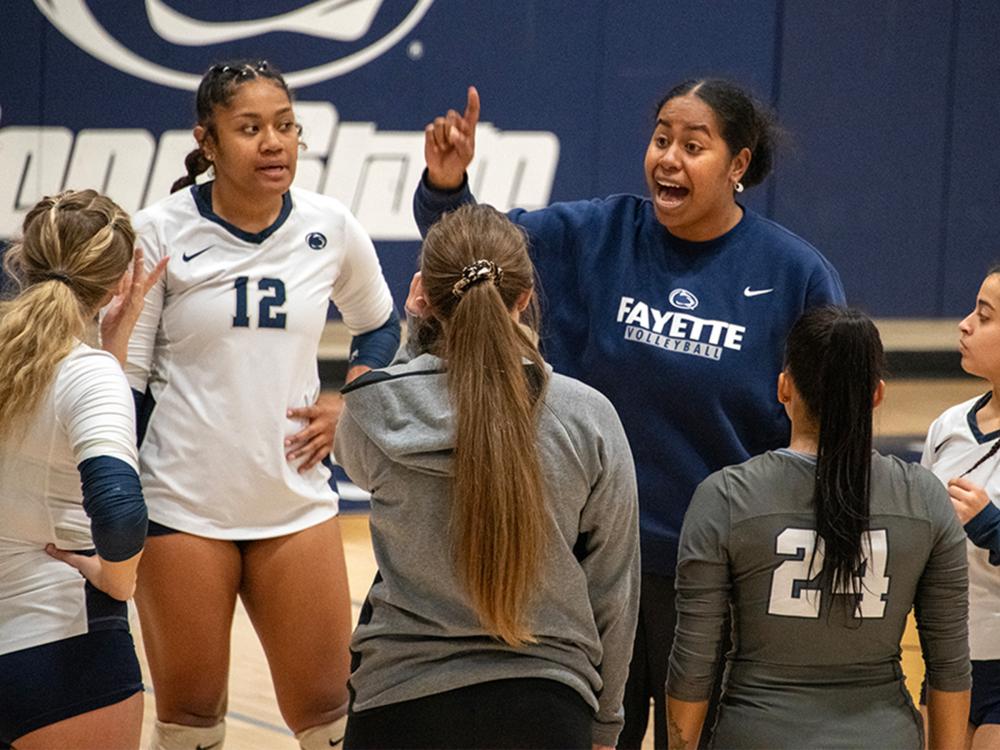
pixel 893 110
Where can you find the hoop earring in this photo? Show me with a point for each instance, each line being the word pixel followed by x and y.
pixel 738 187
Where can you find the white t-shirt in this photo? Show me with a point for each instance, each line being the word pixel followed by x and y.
pixel 227 343
pixel 954 444
pixel 86 412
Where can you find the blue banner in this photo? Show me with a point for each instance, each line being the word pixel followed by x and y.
pixel 881 104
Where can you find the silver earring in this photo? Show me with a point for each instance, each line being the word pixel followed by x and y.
pixel 738 187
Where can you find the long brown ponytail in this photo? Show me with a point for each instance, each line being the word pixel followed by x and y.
pixel 498 516
pixel 74 248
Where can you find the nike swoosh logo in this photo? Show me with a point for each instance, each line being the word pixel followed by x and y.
pixel 185 257
pixel 335 744
pixel 340 20
pixel 748 292
pixel 208 747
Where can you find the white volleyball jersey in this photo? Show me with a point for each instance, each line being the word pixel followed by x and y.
pixel 86 412
pixel 227 343
pixel 954 444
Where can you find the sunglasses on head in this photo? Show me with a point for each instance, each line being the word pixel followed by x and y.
pixel 246 70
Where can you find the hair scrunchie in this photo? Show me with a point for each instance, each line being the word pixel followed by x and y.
pixel 57 276
pixel 474 273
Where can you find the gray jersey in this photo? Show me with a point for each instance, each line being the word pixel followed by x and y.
pixel 805 670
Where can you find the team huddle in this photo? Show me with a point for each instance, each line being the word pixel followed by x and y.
pixel 586 499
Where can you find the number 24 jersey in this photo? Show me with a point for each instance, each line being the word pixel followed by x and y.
pixel 747 543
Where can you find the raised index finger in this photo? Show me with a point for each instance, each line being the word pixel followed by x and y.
pixel 472 106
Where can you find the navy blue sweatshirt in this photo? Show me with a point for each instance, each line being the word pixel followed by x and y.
pixel 685 339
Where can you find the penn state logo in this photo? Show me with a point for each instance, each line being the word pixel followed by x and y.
pixel 683 299
pixel 316 240
pixel 345 26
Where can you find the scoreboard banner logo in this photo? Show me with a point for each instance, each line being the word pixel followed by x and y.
pixel 336 20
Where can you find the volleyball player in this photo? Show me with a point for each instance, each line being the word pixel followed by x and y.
pixel 820 550
pixel 234 428
pixel 504 521
pixel 961 450
pixel 69 487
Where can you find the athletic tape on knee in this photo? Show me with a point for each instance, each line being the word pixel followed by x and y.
pixel 182 737
pixel 324 736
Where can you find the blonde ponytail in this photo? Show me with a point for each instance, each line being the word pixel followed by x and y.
pixel 74 248
pixel 498 511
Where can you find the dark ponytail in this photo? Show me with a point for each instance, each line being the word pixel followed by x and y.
pixel 989 454
pixel 196 163
pixel 217 89
pixel 835 360
pixel 745 122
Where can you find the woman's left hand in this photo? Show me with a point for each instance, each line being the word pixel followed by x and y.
pixel 123 311
pixel 315 441
pixel 967 498
pixel 88 565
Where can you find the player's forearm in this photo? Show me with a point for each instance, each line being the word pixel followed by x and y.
pixel 947 719
pixel 684 722
pixel 117 579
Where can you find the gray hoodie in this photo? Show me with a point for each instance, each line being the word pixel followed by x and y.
pixel 418 633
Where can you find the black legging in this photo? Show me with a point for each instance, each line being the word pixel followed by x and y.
pixel 518 713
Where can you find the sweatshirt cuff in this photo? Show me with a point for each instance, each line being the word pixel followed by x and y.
pixel 984 531
pixel 425 181
pixel 437 201
pixel 605 734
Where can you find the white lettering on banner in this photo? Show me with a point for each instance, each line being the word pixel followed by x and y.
pixel 33 163
pixel 113 162
pixel 677 331
pixel 372 172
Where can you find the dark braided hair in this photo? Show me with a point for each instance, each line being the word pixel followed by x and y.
pixel 217 89
pixel 989 454
pixel 746 122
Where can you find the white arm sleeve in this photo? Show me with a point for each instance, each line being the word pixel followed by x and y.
pixel 143 339
pixel 95 407
pixel 360 292
pixel 927 457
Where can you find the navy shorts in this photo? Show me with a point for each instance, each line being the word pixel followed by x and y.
pixel 985 704
pixel 985 707
pixel 158 529
pixel 55 681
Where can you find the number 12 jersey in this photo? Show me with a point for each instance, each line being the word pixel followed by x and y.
pixel 227 343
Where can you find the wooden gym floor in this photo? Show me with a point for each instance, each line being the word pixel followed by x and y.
pixel 253 721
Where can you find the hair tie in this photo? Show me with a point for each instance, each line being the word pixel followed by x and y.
pixel 474 273
pixel 57 276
